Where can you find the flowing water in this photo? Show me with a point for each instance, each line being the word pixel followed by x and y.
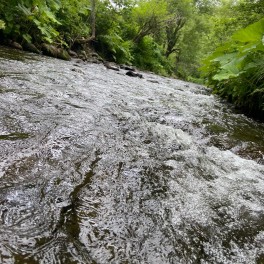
pixel 100 167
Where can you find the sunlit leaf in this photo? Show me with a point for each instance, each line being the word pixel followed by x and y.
pixel 27 37
pixel 2 24
pixel 252 33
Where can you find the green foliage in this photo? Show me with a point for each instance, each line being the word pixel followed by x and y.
pixel 115 48
pixel 112 38
pixel 41 16
pixel 2 24
pixel 74 20
pixel 149 18
pixel 147 11
pixel 148 55
pixel 30 19
pixel 248 11
pixel 236 69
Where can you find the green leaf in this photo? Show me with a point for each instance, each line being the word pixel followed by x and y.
pixel 27 37
pixel 252 33
pixel 55 4
pixel 2 24
pixel 47 14
pixel 25 10
pixel 226 58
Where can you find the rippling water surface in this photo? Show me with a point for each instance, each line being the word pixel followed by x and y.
pixel 100 167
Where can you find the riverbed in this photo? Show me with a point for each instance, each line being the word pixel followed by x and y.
pixel 100 167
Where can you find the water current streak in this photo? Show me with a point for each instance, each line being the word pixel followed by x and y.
pixel 68 220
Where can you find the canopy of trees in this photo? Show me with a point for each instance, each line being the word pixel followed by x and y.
pixel 168 37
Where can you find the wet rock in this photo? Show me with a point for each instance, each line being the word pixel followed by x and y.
pixel 63 54
pixel 100 60
pixel 53 51
pixel 83 58
pixel 96 58
pixel 93 60
pixel 15 45
pixel 110 66
pixel 83 55
pixel 73 53
pixel 128 68
pixel 153 81
pixel 77 70
pixel 31 47
pixel 134 74
pixel 78 61
pixel 94 55
pixel 49 50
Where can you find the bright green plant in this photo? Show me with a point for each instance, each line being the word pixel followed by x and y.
pixel 112 40
pixel 149 55
pixel 149 17
pixel 28 20
pixel 41 15
pixel 236 69
pixel 2 24
pixel 74 20
pixel 115 48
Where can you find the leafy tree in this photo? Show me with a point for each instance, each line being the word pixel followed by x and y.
pixel 148 55
pixel 179 12
pixel 112 40
pixel 149 17
pixel 74 20
pixel 93 15
pixel 248 11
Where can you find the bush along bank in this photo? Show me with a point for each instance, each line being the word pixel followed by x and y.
pixel 236 70
pixel 48 27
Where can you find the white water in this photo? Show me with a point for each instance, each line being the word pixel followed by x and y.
pixel 100 167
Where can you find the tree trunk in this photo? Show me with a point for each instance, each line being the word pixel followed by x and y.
pixel 93 19
pixel 173 34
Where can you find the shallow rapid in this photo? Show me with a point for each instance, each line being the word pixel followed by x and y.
pixel 100 167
